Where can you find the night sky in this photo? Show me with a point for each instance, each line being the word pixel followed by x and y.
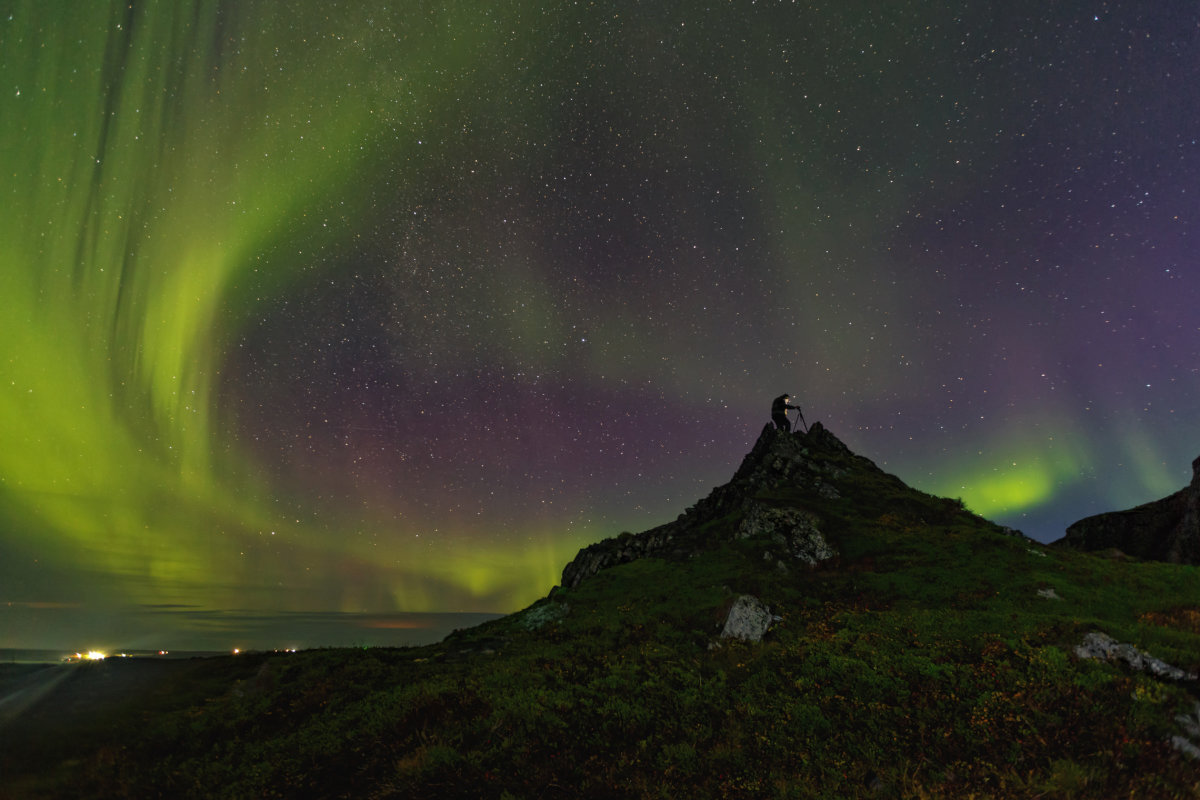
pixel 347 311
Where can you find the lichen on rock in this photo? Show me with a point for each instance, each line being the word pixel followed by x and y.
pixel 792 528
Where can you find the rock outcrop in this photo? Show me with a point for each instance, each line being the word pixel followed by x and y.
pixel 1162 530
pixel 799 460
pixel 1103 647
pixel 792 529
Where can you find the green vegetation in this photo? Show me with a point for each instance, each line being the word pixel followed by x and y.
pixel 921 663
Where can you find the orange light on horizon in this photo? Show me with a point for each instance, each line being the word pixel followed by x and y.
pixel 395 624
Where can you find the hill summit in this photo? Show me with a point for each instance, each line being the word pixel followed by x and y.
pixel 786 493
pixel 814 628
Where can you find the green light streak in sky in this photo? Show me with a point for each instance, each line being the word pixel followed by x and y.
pixel 146 192
pixel 167 167
pixel 1152 478
pixel 1016 472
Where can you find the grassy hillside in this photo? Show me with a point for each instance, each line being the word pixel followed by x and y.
pixel 929 659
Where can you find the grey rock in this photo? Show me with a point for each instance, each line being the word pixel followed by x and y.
pixel 1185 746
pixel 793 529
pixel 827 491
pixel 1191 722
pixel 748 620
pixel 1191 725
pixel 1101 646
pixel 540 615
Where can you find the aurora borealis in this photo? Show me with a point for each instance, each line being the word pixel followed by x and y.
pixel 352 308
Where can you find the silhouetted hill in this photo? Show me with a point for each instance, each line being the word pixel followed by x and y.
pixel 1162 530
pixel 813 628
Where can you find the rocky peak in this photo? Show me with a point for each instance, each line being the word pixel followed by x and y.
pixel 1161 530
pixel 812 461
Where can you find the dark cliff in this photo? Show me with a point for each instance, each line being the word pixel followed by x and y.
pixel 1162 530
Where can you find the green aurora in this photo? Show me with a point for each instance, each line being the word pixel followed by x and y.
pixel 162 160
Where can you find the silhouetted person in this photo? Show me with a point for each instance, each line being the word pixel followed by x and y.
pixel 779 409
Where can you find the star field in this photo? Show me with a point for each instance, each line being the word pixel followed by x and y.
pixel 356 308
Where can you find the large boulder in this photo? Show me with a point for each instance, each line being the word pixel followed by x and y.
pixel 749 619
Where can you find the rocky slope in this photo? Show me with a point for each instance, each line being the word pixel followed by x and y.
pixel 807 465
pixel 1162 530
